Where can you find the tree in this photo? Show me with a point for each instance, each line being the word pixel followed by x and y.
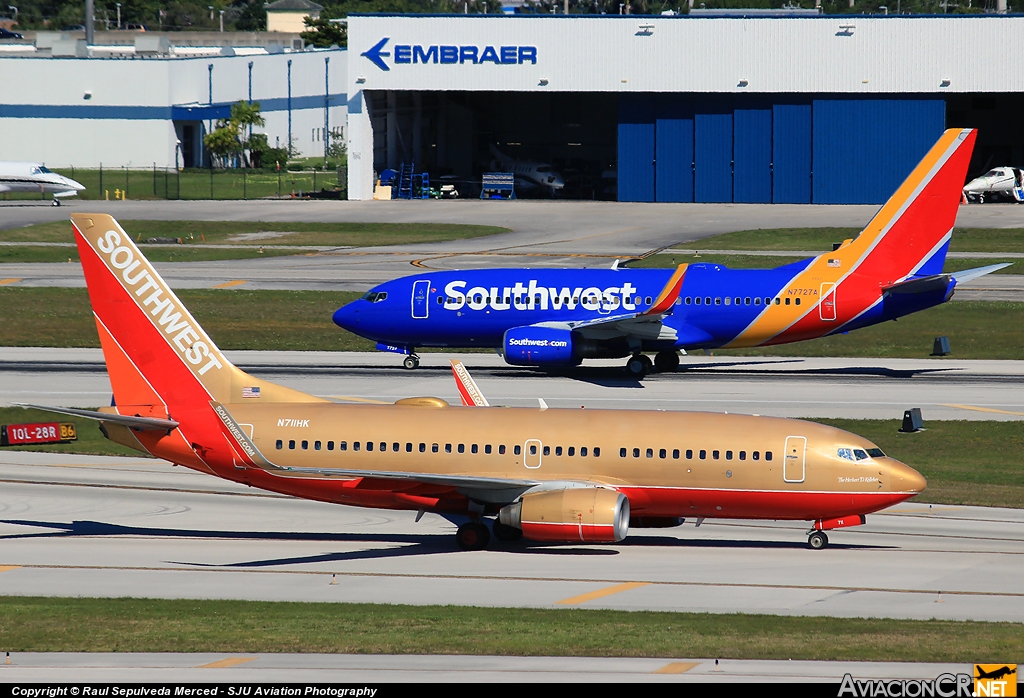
pixel 322 33
pixel 232 135
pixel 223 141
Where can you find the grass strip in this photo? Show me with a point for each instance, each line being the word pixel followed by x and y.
pixel 197 233
pixel 750 261
pixel 11 254
pixel 30 624
pixel 972 463
pixel 964 239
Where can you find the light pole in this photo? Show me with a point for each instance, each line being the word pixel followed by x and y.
pixel 222 20
pixel 327 111
pixel 210 8
pixel 118 14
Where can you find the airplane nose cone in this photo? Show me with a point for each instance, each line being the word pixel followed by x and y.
pixel 906 479
pixel 72 183
pixel 346 317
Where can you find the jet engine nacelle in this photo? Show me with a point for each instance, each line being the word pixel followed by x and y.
pixel 539 346
pixel 586 514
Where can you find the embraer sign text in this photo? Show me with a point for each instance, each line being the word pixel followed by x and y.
pixel 451 55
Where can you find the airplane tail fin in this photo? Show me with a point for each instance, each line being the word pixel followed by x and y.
pixel 157 355
pixel 910 234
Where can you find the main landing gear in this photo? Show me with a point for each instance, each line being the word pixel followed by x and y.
pixel 411 362
pixel 473 536
pixel 817 540
pixel 55 202
pixel 639 365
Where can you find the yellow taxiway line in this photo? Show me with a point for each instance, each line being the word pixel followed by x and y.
pixel 230 661
pixel 600 593
pixel 8 568
pixel 985 409
pixel 231 284
pixel 677 668
pixel 4 282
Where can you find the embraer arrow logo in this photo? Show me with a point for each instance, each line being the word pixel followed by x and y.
pixel 375 53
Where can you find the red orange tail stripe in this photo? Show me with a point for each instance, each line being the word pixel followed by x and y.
pixel 669 294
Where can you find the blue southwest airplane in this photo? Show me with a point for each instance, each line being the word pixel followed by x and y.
pixel 558 317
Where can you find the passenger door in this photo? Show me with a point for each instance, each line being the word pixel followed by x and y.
pixel 794 467
pixel 532 453
pixel 827 306
pixel 420 299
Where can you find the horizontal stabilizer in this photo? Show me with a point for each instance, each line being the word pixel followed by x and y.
pixel 150 423
pixel 922 284
pixel 966 275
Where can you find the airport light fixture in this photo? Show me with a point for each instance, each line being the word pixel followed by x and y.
pixel 12 7
pixel 118 14
pixel 222 20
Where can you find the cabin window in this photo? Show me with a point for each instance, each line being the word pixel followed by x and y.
pixel 798 301
pixel 408 447
pixel 743 455
pixel 583 451
pixel 703 454
pixel 647 300
pixel 714 455
pixel 474 448
pixel 396 446
pixel 636 452
pixel 517 449
pixel 558 451
pixel 696 300
pixel 369 445
pixel 787 301
pixel 423 447
pixel 718 301
pixel 707 300
pixel 501 450
pixel 343 445
pixel 687 301
pixel 316 445
pixel 767 455
pixel 487 449
pixel 728 455
pixel 650 453
pixel 280 444
pixel 305 445
pixel 757 301
pixel 689 454
pixel 675 454
pixel 622 453
pixel 330 445
pixel 738 300
pixel 462 448
pixel 447 448
pixel 547 450
pixel 291 444
pixel 533 449
pixel 440 300
pixel 778 301
pixel 756 455
pixel 383 447
pixel 662 453
pixel 434 448
pixel 728 300
pixel 355 445
pixel 572 451
pixel 597 451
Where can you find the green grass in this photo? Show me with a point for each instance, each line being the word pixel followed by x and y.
pixel 750 261
pixel 976 330
pixel 964 239
pixel 30 624
pixel 974 463
pixel 193 184
pixel 236 319
pixel 178 253
pixel 90 441
pixel 196 233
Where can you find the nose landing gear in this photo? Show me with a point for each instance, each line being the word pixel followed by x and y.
pixel 817 540
pixel 412 361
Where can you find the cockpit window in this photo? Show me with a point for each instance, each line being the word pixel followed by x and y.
pixel 846 453
pixel 994 173
pixel 876 453
pixel 859 453
pixel 375 296
pixel 44 170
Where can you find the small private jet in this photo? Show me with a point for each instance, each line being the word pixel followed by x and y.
pixel 34 177
pixel 530 175
pixel 998 184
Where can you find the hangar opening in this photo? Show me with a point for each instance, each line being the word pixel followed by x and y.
pixel 457 136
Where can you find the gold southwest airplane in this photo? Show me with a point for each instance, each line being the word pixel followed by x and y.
pixel 545 474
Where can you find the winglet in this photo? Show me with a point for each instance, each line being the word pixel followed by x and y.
pixel 468 390
pixel 669 294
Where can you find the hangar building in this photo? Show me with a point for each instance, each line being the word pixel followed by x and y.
pixel 72 105
pixel 827 109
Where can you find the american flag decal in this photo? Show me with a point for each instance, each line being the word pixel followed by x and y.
pixel 833 262
pixel 250 392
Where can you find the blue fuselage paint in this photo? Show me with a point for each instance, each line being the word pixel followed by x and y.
pixel 475 308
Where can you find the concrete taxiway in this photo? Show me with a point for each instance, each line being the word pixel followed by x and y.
pixel 171 668
pixel 782 387
pixel 542 234
pixel 112 527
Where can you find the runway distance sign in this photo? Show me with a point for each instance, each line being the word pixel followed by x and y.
pixel 37 433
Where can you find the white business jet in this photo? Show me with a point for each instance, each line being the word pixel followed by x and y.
pixel 34 177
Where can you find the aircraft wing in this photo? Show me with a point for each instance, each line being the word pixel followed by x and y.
pixel 646 324
pixel 468 390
